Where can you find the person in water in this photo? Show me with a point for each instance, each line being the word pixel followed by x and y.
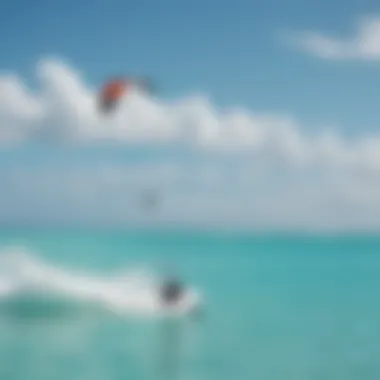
pixel 172 291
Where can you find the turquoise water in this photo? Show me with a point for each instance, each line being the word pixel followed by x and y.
pixel 276 307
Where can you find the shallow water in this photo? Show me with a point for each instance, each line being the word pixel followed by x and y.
pixel 277 307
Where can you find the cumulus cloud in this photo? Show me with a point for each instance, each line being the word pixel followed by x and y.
pixel 242 169
pixel 364 44
pixel 62 109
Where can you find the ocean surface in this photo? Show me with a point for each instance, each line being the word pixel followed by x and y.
pixel 81 305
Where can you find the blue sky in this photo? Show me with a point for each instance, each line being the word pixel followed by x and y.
pixel 234 55
pixel 229 50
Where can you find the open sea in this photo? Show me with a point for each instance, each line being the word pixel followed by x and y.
pixel 81 305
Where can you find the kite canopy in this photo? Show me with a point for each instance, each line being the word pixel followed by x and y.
pixel 114 90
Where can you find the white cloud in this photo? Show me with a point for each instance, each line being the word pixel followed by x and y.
pixel 63 110
pixel 364 44
pixel 260 171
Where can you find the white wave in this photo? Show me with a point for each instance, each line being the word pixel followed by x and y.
pixel 129 292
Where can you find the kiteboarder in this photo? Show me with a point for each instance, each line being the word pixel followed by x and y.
pixel 172 291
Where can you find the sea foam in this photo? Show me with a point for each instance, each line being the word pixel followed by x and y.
pixel 23 276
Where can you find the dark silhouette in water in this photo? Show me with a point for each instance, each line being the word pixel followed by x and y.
pixel 172 291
